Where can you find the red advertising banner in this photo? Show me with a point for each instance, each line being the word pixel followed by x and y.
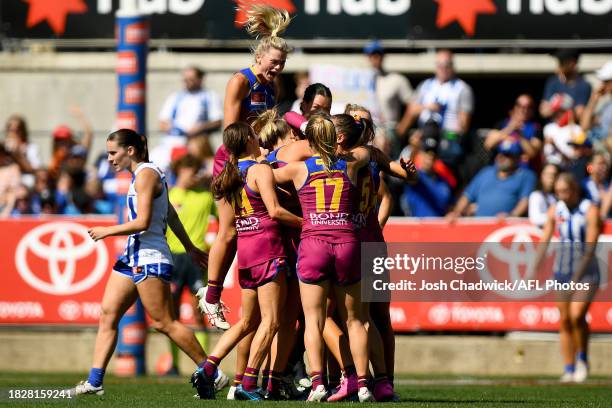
pixel 53 273
pixel 482 316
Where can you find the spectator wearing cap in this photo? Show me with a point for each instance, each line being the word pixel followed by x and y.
pixel 431 195
pixel 597 116
pixel 560 132
pixel 449 101
pixel 583 150
pixel 568 81
pixel 501 189
pixel 64 139
pixel 193 112
pixel 519 127
pixel 393 94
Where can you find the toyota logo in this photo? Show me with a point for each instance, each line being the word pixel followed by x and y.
pixel 529 315
pixel 62 256
pixel 520 253
pixel 439 314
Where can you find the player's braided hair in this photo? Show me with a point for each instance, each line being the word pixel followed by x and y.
pixel 270 128
pixel 266 23
pixel 321 135
pixel 228 183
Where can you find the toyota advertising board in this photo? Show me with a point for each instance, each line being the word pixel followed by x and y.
pixel 53 273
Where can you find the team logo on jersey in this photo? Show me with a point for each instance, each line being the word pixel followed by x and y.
pixel 329 218
pixel 258 98
pixel 59 258
pixel 247 224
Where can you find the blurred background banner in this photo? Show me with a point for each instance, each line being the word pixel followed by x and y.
pixel 57 276
pixel 333 19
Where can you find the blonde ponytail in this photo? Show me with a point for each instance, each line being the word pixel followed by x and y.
pixel 321 135
pixel 266 23
pixel 270 128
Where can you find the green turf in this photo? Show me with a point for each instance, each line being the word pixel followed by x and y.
pixel 162 392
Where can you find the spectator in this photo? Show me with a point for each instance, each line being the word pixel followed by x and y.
pixel 501 189
pixel 393 91
pixel 568 81
pixel 64 140
pixel 598 180
pixel 69 199
pixel 430 130
pixel 431 195
pixel 597 116
pixel 107 177
pixel 10 180
pixel 447 100
pixel 519 127
pixel 26 154
pixel 22 203
pixel 100 203
pixel 583 150
pixel 192 112
pixel 43 196
pixel 560 132
pixel 543 197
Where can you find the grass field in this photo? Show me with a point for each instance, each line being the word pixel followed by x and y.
pixel 414 392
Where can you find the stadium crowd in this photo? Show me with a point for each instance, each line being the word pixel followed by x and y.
pixel 568 130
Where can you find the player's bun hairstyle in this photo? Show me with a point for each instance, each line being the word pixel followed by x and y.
pixel 229 182
pixel 128 137
pixel 266 23
pixel 357 131
pixel 270 128
pixel 321 135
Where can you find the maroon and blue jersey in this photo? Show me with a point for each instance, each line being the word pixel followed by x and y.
pixel 259 99
pixel 327 202
pixel 259 236
pixel 273 159
pixel 366 211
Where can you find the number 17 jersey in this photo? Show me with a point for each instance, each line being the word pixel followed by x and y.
pixel 327 202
